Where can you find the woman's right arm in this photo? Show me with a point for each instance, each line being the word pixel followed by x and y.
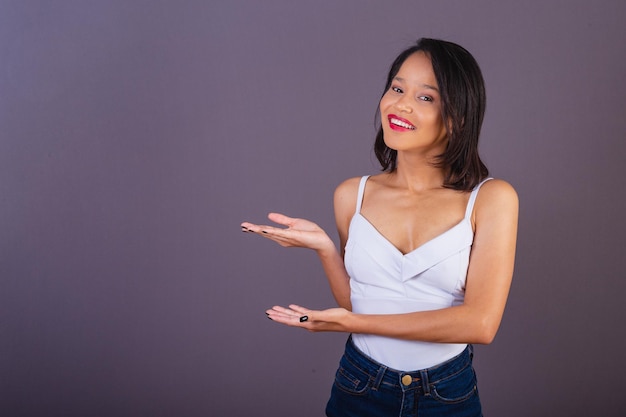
pixel 345 205
pixel 306 234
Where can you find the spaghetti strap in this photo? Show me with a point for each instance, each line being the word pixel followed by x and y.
pixel 472 199
pixel 359 199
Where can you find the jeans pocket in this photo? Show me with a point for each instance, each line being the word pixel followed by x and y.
pixel 456 388
pixel 351 379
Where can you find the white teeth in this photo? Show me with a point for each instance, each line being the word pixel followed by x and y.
pixel 401 124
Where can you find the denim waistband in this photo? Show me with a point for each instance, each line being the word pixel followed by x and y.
pixel 417 379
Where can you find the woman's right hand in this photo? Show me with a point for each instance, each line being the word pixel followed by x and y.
pixel 300 233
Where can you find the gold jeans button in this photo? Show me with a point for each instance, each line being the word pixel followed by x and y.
pixel 407 379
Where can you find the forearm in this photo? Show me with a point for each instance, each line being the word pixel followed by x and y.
pixel 461 324
pixel 337 275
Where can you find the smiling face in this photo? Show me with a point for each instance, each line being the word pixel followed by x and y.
pixel 411 109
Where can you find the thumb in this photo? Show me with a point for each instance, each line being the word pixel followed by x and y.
pixel 280 218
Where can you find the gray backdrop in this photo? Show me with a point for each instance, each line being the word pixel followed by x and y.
pixel 136 135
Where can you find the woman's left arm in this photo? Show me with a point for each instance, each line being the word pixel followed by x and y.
pixel 488 281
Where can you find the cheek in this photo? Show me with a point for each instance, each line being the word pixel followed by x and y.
pixel 441 128
pixel 436 120
pixel 381 106
pixel 385 102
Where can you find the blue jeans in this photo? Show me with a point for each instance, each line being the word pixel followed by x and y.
pixel 366 388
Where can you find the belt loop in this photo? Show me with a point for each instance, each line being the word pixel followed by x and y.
pixel 425 382
pixel 379 377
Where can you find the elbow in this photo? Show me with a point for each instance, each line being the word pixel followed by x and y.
pixel 486 332
pixel 346 304
pixel 485 339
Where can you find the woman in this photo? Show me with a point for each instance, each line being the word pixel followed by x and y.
pixel 426 260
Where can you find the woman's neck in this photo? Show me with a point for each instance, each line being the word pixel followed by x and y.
pixel 417 173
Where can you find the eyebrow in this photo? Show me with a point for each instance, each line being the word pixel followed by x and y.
pixel 432 87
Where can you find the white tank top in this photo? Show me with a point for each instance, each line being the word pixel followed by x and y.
pixel 383 280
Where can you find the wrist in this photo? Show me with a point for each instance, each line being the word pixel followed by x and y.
pixel 327 249
pixel 350 322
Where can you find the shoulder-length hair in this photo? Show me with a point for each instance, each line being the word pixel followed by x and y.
pixel 463 102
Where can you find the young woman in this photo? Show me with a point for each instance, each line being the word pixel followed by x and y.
pixel 427 248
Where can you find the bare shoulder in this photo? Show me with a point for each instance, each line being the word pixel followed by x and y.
pixel 347 190
pixel 496 197
pixel 497 190
pixel 345 201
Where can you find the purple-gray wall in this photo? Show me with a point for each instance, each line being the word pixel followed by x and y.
pixel 135 136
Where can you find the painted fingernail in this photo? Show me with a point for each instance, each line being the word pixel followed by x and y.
pixel 303 319
pixel 263 231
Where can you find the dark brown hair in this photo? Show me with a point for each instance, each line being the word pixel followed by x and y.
pixel 463 99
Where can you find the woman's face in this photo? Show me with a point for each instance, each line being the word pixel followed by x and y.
pixel 410 111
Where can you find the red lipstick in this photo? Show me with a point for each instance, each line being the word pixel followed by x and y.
pixel 399 124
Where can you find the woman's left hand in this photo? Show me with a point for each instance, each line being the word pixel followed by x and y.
pixel 330 320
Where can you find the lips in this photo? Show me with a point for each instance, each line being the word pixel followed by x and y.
pixel 399 124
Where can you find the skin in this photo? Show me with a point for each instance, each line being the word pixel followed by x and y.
pixel 409 207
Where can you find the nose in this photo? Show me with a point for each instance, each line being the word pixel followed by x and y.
pixel 403 105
